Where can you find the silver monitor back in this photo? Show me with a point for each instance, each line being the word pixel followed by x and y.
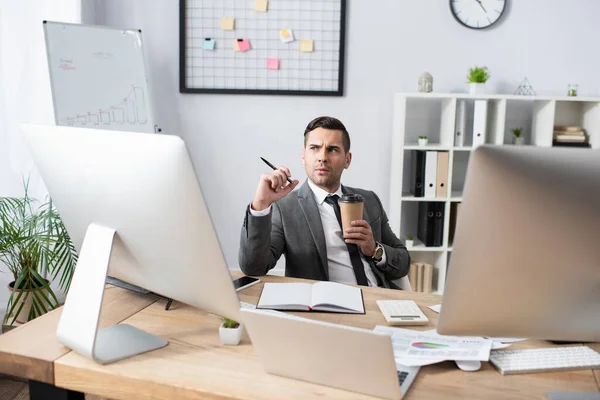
pixel 526 259
pixel 142 188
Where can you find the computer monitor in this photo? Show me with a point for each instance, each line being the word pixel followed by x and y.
pixel 130 200
pixel 526 258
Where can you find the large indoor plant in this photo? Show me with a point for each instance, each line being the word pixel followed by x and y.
pixel 33 238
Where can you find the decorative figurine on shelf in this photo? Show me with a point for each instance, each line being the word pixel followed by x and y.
pixel 519 139
pixel 572 89
pixel 426 83
pixel 525 88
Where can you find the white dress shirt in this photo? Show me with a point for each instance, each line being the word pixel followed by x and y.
pixel 338 257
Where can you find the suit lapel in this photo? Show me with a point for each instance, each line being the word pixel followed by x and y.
pixel 310 209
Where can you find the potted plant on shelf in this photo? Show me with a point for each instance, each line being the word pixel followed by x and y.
pixel 409 241
pixel 477 77
pixel 33 239
pixel 230 331
pixel 423 140
pixel 519 139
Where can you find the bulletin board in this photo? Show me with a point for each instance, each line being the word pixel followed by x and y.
pixel 286 47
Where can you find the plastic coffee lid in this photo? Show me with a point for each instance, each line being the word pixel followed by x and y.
pixel 351 198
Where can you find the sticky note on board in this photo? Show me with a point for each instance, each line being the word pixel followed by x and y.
pixel 273 63
pixel 209 44
pixel 227 23
pixel 261 5
pixel 243 44
pixel 306 46
pixel 236 45
pixel 286 35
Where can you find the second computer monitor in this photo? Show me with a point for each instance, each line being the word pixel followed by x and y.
pixel 130 200
pixel 526 259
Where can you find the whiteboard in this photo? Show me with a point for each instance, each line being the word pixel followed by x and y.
pixel 98 77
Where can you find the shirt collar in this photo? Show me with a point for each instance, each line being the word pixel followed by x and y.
pixel 321 194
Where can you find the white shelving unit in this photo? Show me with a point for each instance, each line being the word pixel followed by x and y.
pixel 433 114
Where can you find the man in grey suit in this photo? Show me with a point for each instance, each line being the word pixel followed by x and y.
pixel 304 225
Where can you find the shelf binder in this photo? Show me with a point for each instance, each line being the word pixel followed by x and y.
pixel 425 228
pixel 438 224
pixel 418 184
pixel 460 123
pixel 430 173
pixel 441 190
pixel 479 122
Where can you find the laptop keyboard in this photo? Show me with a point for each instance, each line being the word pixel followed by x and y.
pixel 402 376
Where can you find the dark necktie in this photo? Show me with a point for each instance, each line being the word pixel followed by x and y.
pixel 357 264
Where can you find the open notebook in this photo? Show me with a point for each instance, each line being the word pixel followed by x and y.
pixel 320 296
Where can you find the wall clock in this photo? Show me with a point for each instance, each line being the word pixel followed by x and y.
pixel 477 14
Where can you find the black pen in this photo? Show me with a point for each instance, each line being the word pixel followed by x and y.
pixel 272 166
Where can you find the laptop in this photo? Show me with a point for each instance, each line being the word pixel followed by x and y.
pixel 339 356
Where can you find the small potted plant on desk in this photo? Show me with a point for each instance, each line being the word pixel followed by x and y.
pixel 519 139
pixel 31 239
pixel 230 331
pixel 477 77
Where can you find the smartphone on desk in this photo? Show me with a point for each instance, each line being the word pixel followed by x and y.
pixel 244 282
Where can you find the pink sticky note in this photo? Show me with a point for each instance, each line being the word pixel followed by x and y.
pixel 244 45
pixel 273 63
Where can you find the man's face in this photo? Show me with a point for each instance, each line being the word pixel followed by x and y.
pixel 324 158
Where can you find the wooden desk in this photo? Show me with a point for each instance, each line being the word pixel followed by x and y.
pixel 195 365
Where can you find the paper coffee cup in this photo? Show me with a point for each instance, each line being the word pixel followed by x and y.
pixel 351 208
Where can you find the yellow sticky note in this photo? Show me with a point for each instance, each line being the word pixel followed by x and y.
pixel 236 45
pixel 261 5
pixel 227 23
pixel 285 33
pixel 306 46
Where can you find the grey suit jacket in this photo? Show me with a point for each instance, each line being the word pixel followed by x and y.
pixel 294 228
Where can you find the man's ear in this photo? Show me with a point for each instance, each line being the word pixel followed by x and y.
pixel 348 160
pixel 302 158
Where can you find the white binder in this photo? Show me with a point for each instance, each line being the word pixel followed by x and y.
pixel 479 122
pixel 460 125
pixel 431 158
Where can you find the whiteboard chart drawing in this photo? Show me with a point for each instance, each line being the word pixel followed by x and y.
pixel 98 77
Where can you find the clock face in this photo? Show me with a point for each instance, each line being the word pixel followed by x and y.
pixel 477 14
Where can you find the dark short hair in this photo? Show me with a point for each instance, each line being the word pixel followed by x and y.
pixel 330 123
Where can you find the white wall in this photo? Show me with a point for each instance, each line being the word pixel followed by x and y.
pixel 389 44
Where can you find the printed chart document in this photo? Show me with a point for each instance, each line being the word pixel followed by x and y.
pixel 414 348
pixel 320 296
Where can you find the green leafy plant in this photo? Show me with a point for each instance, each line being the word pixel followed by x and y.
pixel 229 323
pixel 517 132
pixel 409 237
pixel 31 238
pixel 422 137
pixel 478 75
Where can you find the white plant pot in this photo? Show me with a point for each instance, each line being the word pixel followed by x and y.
pixel 519 141
pixel 476 88
pixel 423 142
pixel 231 336
pixel 409 243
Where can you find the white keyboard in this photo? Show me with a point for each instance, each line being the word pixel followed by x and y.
pixel 544 360
pixel 402 312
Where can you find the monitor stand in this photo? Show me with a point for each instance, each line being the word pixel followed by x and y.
pixel 78 325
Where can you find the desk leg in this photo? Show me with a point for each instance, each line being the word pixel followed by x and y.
pixel 45 391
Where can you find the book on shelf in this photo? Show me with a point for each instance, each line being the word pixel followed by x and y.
pixel 420 276
pixel 570 144
pixel 320 296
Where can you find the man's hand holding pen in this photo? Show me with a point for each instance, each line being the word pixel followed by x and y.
pixel 272 187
